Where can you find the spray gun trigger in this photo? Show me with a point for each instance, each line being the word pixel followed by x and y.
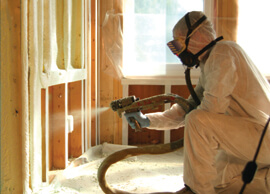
pixel 137 125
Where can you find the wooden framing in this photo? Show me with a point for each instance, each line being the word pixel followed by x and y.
pixel 92 74
pixel 58 60
pixel 109 86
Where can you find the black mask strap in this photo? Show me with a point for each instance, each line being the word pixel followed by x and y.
pixel 187 72
pixel 208 46
pixel 193 27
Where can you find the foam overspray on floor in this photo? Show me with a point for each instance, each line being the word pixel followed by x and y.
pixel 140 174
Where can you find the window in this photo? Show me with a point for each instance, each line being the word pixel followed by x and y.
pixel 147 28
pixel 253 32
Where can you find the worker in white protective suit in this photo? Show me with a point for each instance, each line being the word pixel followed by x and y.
pixel 223 130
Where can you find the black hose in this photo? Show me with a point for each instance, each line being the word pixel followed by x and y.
pixel 190 87
pixel 126 153
pixel 251 167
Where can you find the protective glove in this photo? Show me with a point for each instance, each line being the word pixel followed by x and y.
pixel 141 118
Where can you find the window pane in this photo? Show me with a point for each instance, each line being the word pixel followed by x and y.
pixel 253 32
pixel 148 27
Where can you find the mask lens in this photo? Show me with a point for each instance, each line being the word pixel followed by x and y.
pixel 176 46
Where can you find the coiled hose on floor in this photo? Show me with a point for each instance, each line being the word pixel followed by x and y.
pixel 126 153
pixel 131 103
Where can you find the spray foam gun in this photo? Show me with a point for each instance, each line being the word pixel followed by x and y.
pixel 133 104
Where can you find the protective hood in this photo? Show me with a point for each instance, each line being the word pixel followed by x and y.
pixel 201 36
pixel 191 50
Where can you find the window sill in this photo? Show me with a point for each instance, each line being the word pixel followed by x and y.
pixel 158 80
pixel 161 80
pixel 173 75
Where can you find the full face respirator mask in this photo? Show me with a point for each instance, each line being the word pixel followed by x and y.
pixel 180 49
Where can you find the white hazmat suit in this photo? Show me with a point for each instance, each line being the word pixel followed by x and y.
pixel 222 133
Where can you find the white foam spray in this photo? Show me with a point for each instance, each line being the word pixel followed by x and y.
pixel 97 111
